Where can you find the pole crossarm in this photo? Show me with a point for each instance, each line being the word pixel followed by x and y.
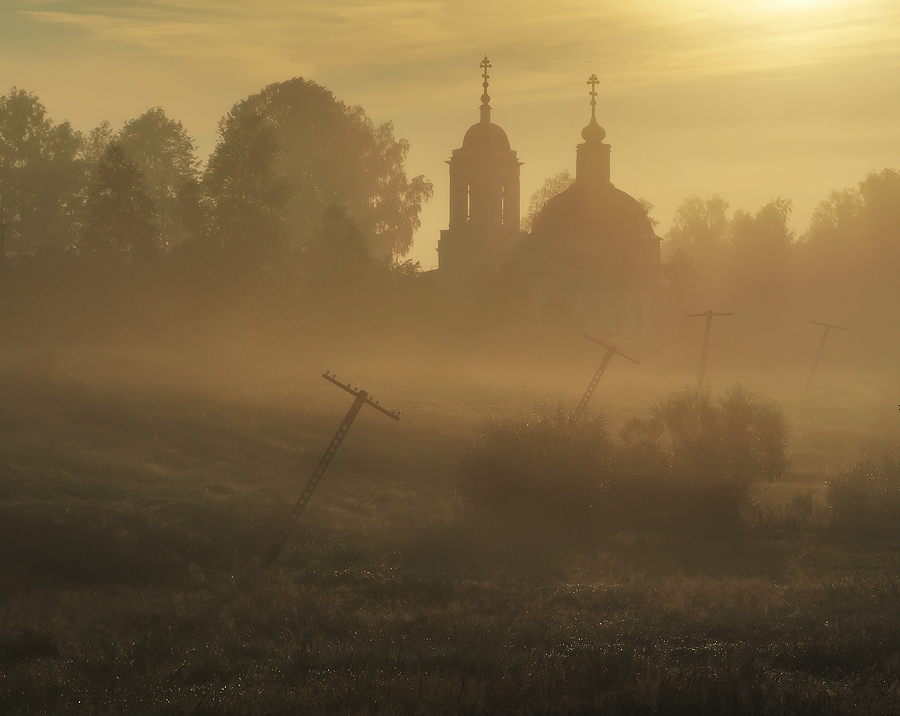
pixel 361 398
pixel 611 350
pixel 819 352
pixel 709 315
pixel 395 414
pixel 828 325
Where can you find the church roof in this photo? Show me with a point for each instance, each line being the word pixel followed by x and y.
pixel 586 212
pixel 486 137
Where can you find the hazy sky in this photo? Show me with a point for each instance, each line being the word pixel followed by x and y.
pixel 752 99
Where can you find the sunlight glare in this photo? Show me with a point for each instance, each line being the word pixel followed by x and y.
pixel 789 5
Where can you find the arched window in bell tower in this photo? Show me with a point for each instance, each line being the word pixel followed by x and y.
pixel 502 204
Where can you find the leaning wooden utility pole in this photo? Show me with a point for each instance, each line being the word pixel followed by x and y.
pixel 610 351
pixel 828 327
pixel 362 398
pixel 709 316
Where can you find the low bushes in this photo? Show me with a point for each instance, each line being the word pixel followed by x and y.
pixel 693 463
pixel 549 463
pixel 865 500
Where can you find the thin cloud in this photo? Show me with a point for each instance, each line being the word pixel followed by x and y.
pixel 374 44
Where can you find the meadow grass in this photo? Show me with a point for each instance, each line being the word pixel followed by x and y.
pixel 126 513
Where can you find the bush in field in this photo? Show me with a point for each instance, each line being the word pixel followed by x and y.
pixel 714 450
pixel 549 464
pixel 693 462
pixel 866 499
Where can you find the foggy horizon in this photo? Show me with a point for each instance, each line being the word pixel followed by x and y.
pixel 788 99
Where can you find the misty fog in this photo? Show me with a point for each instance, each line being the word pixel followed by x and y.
pixel 685 543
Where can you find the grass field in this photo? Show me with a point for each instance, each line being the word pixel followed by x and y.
pixel 135 488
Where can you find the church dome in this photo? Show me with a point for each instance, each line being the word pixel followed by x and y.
pixel 486 137
pixel 583 214
pixel 593 132
pixel 585 226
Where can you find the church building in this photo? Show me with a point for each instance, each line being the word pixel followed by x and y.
pixel 484 199
pixel 592 257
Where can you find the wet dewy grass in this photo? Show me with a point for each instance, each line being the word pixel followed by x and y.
pixel 338 642
pixel 124 521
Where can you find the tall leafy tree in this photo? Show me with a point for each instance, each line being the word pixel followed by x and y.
pixel 856 226
pixel 761 246
pixel 119 224
pixel 245 193
pixel 880 217
pixel 94 146
pixel 40 173
pixel 700 227
pixel 851 252
pixel 166 156
pixel 287 153
pixel 697 245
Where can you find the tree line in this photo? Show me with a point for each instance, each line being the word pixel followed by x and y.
pixel 299 186
pixel 846 262
pixel 283 156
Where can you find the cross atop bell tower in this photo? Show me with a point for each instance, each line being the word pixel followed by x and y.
pixel 485 98
pixel 593 81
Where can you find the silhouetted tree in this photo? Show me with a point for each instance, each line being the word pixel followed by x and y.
pixel 287 153
pixel 850 254
pixel 880 192
pixel 94 145
pixel 550 188
pixel 119 221
pixel 648 209
pixel 681 275
pixel 700 228
pixel 167 158
pixel 339 246
pixel 857 228
pixel 246 193
pixel 40 176
pixel 761 245
pixel 339 268
pixel 698 242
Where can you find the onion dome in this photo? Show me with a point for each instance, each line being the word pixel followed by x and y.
pixel 593 132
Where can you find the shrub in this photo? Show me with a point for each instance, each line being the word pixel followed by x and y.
pixel 866 499
pixel 693 463
pixel 740 438
pixel 720 449
pixel 549 464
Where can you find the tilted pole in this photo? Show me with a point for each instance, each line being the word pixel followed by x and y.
pixel 361 398
pixel 828 327
pixel 709 316
pixel 610 352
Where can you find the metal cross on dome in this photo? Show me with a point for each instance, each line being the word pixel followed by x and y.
pixel 485 65
pixel 593 81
